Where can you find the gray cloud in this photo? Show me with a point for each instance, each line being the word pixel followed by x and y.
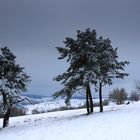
pixel 33 28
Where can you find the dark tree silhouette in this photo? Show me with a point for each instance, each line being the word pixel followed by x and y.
pixel 80 54
pixel 13 81
pixel 108 66
pixel 93 61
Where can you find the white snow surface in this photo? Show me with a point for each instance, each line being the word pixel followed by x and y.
pixel 49 105
pixel 115 123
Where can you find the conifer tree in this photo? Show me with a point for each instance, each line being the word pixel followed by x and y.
pixel 108 66
pixel 93 61
pixel 13 81
pixel 79 53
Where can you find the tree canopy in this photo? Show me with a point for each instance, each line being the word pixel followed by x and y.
pixel 93 61
pixel 13 80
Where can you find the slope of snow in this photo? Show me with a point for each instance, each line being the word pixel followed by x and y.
pixel 116 123
pixel 49 105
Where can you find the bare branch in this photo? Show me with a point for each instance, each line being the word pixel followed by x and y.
pixel 21 101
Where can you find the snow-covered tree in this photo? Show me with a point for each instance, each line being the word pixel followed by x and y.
pixel 13 81
pixel 108 66
pixel 93 61
pixel 80 54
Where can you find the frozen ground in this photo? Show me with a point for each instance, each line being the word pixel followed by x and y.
pixel 49 105
pixel 116 123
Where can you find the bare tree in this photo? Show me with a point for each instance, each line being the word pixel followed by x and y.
pixel 138 86
pixel 118 96
pixel 135 96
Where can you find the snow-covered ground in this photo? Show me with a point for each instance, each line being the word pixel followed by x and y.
pixel 46 105
pixel 116 123
pixel 49 105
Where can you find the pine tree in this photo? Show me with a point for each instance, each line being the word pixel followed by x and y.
pixel 13 81
pixel 93 61
pixel 108 66
pixel 80 53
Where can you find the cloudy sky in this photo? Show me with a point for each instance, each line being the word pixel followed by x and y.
pixel 33 28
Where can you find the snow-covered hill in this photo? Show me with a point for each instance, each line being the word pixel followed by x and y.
pixel 41 104
pixel 116 123
pixel 50 105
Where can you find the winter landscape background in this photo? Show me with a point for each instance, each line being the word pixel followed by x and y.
pixel 32 29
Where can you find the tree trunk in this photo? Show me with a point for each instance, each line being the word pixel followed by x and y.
pixel 87 101
pixel 4 99
pixel 100 97
pixel 90 99
pixel 6 118
pixel 7 112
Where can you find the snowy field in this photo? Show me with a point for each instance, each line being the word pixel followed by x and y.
pixel 49 105
pixel 116 123
pixel 46 105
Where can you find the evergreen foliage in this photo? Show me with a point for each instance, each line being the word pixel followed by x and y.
pixel 93 61
pixel 108 67
pixel 80 53
pixel 13 81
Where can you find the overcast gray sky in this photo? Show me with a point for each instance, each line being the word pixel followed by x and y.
pixel 33 28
